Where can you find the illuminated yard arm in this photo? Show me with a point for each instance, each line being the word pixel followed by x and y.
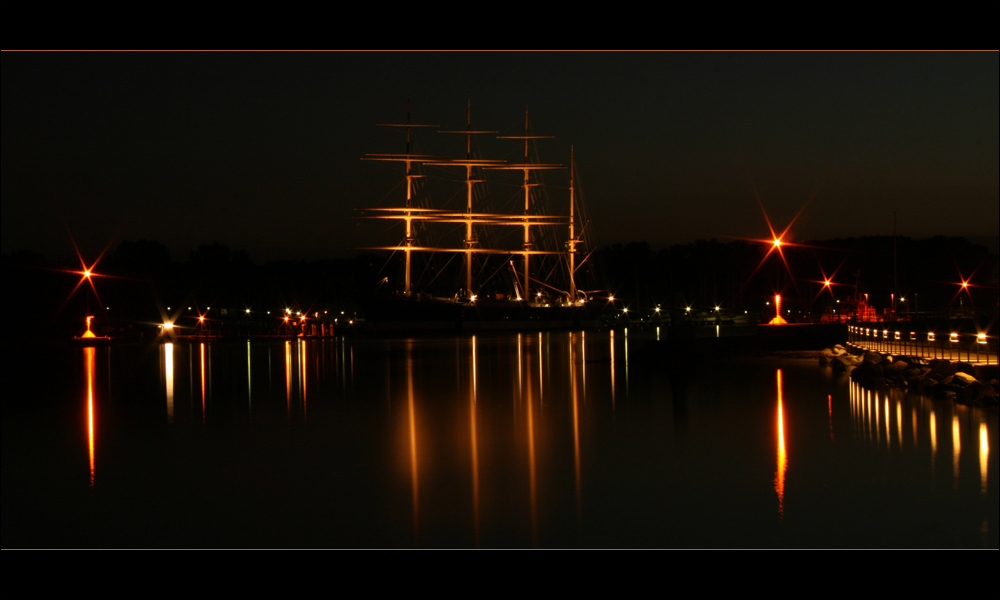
pixel 469 163
pixel 410 213
pixel 409 159
pixel 527 168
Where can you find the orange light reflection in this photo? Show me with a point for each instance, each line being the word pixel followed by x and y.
pixel 288 379
pixel 89 355
pixel 933 433
pixel 168 364
pixel 576 422
pixel 957 444
pixel 984 457
pixel 531 456
pixel 202 363
pixel 779 475
pixel 475 447
pixel 411 403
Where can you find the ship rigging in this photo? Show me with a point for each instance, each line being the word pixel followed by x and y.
pixel 539 227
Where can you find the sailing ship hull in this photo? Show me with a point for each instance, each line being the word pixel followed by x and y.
pixel 395 313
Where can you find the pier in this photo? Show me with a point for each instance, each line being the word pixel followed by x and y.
pixel 948 340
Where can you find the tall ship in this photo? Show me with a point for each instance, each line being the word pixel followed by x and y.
pixel 474 261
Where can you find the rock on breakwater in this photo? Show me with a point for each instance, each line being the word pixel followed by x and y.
pixel 961 381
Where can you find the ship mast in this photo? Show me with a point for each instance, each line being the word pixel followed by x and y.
pixel 572 236
pixel 468 217
pixel 469 163
pixel 408 158
pixel 527 167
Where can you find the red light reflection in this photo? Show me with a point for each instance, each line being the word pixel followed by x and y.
pixel 779 475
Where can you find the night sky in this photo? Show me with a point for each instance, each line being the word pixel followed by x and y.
pixel 261 151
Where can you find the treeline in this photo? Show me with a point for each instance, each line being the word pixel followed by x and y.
pixel 139 283
pixel 741 275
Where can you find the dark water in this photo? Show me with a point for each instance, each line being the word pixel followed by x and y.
pixel 546 440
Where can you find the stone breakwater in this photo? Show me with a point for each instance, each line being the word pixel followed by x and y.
pixel 964 382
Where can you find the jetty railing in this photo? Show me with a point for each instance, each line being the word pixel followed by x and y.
pixel 905 338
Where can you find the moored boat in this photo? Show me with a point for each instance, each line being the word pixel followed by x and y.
pixel 502 286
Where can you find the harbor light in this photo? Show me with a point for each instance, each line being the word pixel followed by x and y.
pixel 168 325
pixel 778 320
pixel 981 338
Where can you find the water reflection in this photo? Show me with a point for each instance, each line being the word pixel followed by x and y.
pixel 984 457
pixel 249 384
pixel 779 475
pixel 576 421
pixel 956 444
pixel 871 417
pixel 288 380
pixel 167 351
pixel 474 442
pixel 529 408
pixel 533 432
pixel 303 376
pixel 89 355
pixel 201 362
pixel 933 434
pixel 412 410
pixel 612 344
